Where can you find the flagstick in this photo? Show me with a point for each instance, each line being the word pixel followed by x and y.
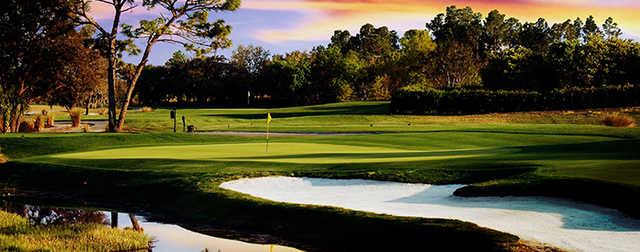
pixel 268 129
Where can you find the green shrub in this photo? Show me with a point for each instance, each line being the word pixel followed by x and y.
pixel 422 100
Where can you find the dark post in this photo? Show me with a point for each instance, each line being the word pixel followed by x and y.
pixel 184 124
pixel 173 116
pixel 114 219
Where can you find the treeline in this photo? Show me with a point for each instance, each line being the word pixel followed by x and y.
pixel 459 49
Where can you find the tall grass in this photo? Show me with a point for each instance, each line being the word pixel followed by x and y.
pixel 619 120
pixel 26 126
pixel 39 123
pixel 76 115
pixel 16 234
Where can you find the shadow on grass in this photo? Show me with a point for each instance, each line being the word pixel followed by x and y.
pixel 181 199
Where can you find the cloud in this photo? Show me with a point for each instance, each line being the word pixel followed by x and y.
pixel 325 16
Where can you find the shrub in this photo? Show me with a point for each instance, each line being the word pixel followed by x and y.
pixel 619 120
pixel 146 109
pixel 26 127
pixel 423 100
pixel 76 116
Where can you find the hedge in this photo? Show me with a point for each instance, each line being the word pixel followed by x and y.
pixel 416 100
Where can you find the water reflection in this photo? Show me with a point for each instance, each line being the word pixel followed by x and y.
pixel 55 216
pixel 166 237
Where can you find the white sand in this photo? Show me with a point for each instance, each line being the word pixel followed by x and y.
pixel 562 223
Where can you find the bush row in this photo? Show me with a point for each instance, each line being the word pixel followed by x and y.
pixel 417 100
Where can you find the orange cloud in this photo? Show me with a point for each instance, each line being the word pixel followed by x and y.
pixel 325 16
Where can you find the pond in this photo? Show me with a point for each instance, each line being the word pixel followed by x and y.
pixel 166 237
pixel 562 223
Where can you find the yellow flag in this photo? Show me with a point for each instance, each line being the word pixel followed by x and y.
pixel 269 119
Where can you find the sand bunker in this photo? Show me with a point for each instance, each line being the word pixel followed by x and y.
pixel 561 223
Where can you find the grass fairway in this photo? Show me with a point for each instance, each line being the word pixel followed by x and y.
pixel 177 175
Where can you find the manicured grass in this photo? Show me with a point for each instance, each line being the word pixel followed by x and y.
pixel 16 234
pixel 164 172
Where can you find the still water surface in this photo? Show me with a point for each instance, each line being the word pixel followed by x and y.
pixel 166 237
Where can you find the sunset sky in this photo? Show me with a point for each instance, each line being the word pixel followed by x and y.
pixel 285 25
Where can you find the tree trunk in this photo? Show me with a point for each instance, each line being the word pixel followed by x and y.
pixel 132 85
pixel 111 83
pixel 135 223
pixel 14 117
pixel 112 67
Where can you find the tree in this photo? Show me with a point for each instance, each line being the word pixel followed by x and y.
pixel 289 76
pixel 81 75
pixel 459 55
pixel 590 28
pixel 566 31
pixel 611 29
pixel 536 36
pixel 417 48
pixel 178 58
pixel 497 31
pixel 181 22
pixel 250 60
pixel 28 29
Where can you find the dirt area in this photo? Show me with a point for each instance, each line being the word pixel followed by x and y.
pixel 85 126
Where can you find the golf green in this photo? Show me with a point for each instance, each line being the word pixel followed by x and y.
pixel 285 152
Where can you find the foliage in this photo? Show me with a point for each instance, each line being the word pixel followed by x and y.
pixel 81 78
pixel 29 30
pixel 419 100
pixel 458 49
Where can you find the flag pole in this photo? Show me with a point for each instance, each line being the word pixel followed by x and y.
pixel 268 129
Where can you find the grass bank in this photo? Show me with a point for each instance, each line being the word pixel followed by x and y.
pixel 17 234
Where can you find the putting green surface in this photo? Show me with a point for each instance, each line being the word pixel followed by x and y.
pixel 285 152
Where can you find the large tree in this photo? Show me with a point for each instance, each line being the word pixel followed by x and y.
pixel 458 34
pixel 81 76
pixel 183 22
pixel 29 30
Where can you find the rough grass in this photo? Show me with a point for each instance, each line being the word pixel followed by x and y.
pixel 16 234
pixel 618 120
